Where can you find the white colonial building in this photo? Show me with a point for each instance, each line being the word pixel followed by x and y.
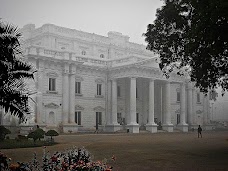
pixel 87 81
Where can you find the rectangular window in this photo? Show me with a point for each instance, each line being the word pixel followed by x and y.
pixel 178 118
pixel 78 117
pixel 178 96
pixel 99 118
pixel 78 87
pixel 52 84
pixel 136 92
pixel 99 89
pixel 119 118
pixel 137 117
pixel 118 91
pixel 198 97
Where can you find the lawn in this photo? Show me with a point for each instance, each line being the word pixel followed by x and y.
pixel 161 151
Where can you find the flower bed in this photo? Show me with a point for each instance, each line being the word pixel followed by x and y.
pixel 73 159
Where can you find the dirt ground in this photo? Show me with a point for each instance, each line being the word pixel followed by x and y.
pixel 162 151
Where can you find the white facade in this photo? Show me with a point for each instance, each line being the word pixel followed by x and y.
pixel 84 79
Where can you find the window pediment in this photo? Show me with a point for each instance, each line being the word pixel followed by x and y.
pixel 78 78
pixel 51 105
pixel 99 108
pixel 177 111
pixel 78 107
pixel 199 112
pixel 99 80
pixel 52 74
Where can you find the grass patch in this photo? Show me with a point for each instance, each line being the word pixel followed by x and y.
pixel 14 143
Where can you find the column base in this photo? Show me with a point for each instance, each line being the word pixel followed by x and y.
pixel 112 128
pixel 153 128
pixel 183 127
pixel 133 128
pixel 168 127
pixel 70 128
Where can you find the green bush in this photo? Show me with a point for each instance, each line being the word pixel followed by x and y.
pixel 3 132
pixel 37 134
pixel 52 133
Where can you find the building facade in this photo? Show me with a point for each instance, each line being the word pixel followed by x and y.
pixel 87 82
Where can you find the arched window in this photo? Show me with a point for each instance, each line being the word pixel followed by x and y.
pixel 101 55
pixel 83 52
pixel 51 118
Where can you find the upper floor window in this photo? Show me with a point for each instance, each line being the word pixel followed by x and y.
pixel 198 97
pixel 99 89
pixel 52 82
pixel 83 52
pixel 178 96
pixel 101 55
pixel 137 92
pixel 78 87
pixel 118 91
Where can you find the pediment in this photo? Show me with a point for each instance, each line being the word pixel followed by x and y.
pixel 78 78
pixel 119 108
pixel 199 111
pixel 99 108
pixel 177 111
pixel 51 105
pixel 99 80
pixel 52 74
pixel 78 107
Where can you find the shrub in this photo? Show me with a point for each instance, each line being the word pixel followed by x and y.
pixel 37 134
pixel 3 132
pixel 52 133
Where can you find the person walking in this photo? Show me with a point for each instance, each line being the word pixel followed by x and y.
pixel 199 131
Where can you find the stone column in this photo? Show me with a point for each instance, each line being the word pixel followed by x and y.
pixel 168 126
pixel 182 126
pixel 72 94
pixel 194 118
pixel 39 98
pixel 189 101
pixel 133 126
pixel 114 102
pixel 65 114
pixel 151 126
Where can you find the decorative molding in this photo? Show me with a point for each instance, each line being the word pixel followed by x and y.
pixel 99 81
pixel 120 108
pixel 52 74
pixel 51 105
pixel 177 111
pixel 99 108
pixel 78 107
pixel 199 111
pixel 78 78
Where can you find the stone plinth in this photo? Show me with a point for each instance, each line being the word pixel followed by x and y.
pixel 183 127
pixel 153 128
pixel 133 128
pixel 168 127
pixel 112 128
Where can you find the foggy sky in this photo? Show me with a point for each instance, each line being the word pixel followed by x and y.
pixel 130 17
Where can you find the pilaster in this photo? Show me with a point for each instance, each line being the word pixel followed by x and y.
pixel 65 113
pixel 72 94
pixel 39 97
